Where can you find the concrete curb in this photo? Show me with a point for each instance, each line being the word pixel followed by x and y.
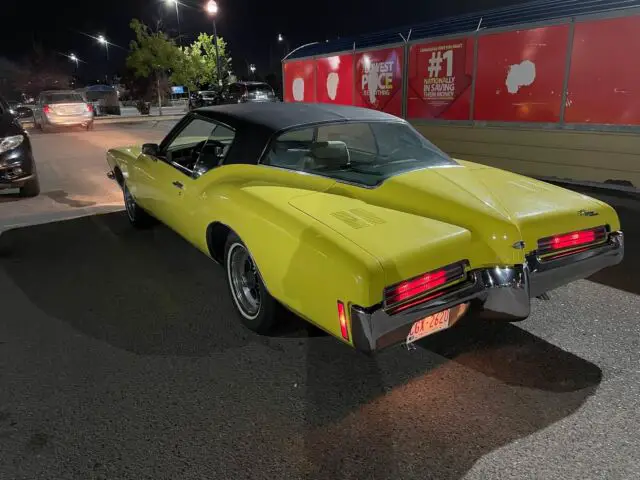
pixel 126 120
pixel 140 119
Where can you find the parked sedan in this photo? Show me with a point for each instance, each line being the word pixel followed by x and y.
pixel 352 219
pixel 59 108
pixel 17 166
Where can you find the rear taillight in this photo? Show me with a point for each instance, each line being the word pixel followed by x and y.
pixel 571 240
pixel 89 108
pixel 342 318
pixel 46 109
pixel 423 284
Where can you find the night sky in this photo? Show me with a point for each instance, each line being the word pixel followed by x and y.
pixel 249 26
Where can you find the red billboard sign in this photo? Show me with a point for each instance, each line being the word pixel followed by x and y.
pixel 334 79
pixel 520 75
pixel 378 80
pixel 605 73
pixel 440 75
pixel 299 81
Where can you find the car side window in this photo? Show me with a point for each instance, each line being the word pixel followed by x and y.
pixel 183 150
pixel 215 150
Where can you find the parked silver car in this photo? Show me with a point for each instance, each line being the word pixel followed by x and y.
pixel 62 108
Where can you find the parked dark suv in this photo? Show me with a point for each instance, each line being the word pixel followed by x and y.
pixel 17 167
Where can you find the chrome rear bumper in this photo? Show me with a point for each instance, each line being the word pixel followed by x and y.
pixel 502 293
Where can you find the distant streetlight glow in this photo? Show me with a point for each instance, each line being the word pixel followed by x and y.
pixel 280 37
pixel 212 7
pixel 252 68
pixel 102 40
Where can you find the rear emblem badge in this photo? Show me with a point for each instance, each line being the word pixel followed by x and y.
pixel 587 213
pixel 518 245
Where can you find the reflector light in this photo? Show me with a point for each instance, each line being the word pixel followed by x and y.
pixel 342 317
pixel 89 107
pixel 46 109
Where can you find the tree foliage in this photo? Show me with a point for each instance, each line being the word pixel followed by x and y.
pixel 151 53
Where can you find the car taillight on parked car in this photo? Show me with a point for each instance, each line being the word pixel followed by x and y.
pixel 89 108
pixel 421 285
pixel 46 109
pixel 567 241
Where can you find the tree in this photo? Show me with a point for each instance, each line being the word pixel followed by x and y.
pixel 153 53
pixel 198 63
pixel 205 44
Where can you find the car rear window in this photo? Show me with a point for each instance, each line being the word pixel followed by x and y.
pixel 364 153
pixel 63 98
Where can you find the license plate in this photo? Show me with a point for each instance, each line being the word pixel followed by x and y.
pixel 436 322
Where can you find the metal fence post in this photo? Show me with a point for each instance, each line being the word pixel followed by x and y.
pixel 567 70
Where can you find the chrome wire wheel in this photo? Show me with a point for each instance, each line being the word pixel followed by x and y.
pixel 129 204
pixel 244 281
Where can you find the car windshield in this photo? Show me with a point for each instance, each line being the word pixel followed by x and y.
pixel 365 153
pixel 63 97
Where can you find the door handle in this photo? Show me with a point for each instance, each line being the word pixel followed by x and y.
pixel 178 184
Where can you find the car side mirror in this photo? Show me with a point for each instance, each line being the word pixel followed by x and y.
pixel 152 149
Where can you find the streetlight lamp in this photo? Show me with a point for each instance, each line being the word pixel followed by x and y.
pixel 252 68
pixel 73 58
pixel 104 42
pixel 212 10
pixel 283 40
pixel 175 2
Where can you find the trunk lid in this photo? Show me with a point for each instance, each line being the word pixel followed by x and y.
pixel 422 220
pixel 68 108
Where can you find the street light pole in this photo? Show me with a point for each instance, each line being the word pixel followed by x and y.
pixel 104 41
pixel 212 9
pixel 176 2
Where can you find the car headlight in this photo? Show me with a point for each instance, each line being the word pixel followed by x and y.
pixel 9 143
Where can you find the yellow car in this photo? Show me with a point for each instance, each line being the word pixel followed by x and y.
pixel 354 221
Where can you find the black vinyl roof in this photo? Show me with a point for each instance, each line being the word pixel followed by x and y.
pixel 275 116
pixel 524 13
pixel 255 124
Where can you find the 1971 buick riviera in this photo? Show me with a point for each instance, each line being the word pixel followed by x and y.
pixel 354 221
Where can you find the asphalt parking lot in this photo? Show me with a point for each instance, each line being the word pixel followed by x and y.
pixel 121 358
pixel 72 169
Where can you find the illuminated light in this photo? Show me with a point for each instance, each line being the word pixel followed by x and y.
pixel 46 109
pixel 89 108
pixel 212 7
pixel 422 284
pixel 572 239
pixel 342 317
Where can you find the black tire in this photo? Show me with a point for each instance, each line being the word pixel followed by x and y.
pixel 31 188
pixel 137 216
pixel 260 319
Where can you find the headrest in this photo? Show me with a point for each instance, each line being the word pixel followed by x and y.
pixel 333 150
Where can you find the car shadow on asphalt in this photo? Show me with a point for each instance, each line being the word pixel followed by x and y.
pixel 434 412
pixel 430 413
pixel 10 196
pixel 145 291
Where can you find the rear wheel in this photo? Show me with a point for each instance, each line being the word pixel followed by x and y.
pixel 31 188
pixel 137 216
pixel 257 308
